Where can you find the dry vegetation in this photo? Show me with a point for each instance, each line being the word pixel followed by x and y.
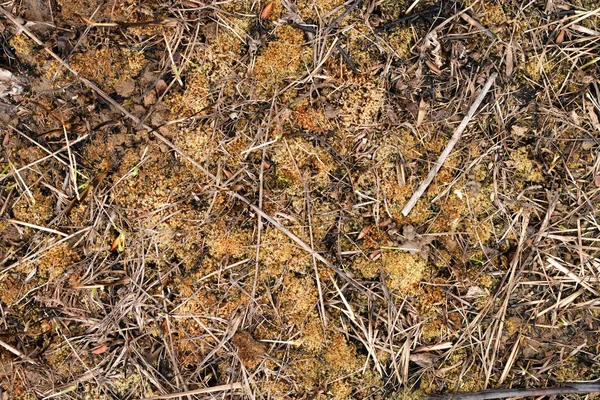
pixel 213 205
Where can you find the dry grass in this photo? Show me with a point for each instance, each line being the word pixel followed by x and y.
pixel 199 203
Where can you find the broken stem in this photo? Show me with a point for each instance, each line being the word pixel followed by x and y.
pixel 565 388
pixel 455 138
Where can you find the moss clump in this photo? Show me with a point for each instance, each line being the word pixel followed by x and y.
pixel 401 41
pixel 340 357
pixel 111 68
pixel 194 98
pixel 282 60
pixel 227 241
pixel 249 350
pixel 362 101
pixel 299 297
pixel 278 253
pixel 525 169
pixel 403 270
pixel 37 210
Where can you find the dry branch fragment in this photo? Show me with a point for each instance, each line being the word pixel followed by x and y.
pixel 566 388
pixel 455 138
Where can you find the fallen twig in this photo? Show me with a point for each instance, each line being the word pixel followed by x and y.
pixel 16 352
pixel 565 388
pixel 214 389
pixel 455 138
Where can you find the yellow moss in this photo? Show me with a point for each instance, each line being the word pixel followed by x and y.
pixel 493 15
pixel 401 40
pixel 341 390
pixel 470 380
pixel 310 118
pixel 432 329
pixel 22 45
pixel 368 269
pixel 393 9
pixel 38 210
pixel 283 59
pixel 361 101
pixel 479 231
pixel 107 66
pixel 404 270
pixel 409 394
pixel 340 356
pixel 56 261
pixel 250 351
pixel 302 161
pixel 278 252
pixel 524 167
pixel 194 98
pixel 299 297
pixel 313 337
pixel 570 370
pixel 227 241
pixel 126 384
pixel 318 9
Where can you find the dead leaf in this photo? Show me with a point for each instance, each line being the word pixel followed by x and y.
pixel 422 113
pixel 433 67
pixel 575 118
pixel 561 36
pixel 592 114
pixel 597 180
pixel 100 349
pixel 150 98
pixel 364 231
pixel 424 360
pixel 518 130
pixel 375 255
pixel 11 84
pixel 161 87
pixel 119 243
pixel 475 291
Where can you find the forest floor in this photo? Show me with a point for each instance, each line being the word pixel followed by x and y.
pixel 206 199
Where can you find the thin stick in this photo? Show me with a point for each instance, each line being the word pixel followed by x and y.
pixel 580 388
pixel 455 138
pixel 221 388
pixel 16 352
pixel 38 227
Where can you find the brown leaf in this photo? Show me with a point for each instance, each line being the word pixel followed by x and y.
pixel 375 255
pixel 433 67
pixel 161 87
pixel 267 11
pixel 518 130
pixel 118 243
pixel 100 349
pixel 364 231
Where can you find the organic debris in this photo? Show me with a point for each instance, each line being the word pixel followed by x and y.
pixel 279 199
